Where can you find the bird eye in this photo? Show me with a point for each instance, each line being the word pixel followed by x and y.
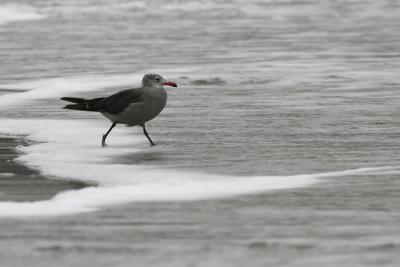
pixel 158 79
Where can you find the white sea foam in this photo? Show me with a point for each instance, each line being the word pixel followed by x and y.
pixel 67 150
pixel 18 12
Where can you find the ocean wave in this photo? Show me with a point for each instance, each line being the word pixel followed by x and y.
pixel 18 12
pixel 67 150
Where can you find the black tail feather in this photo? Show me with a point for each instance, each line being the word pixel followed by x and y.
pixel 83 104
pixel 73 99
pixel 80 107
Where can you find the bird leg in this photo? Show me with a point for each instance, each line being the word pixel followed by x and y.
pixel 147 135
pixel 103 140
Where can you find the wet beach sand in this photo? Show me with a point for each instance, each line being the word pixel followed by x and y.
pixel 19 183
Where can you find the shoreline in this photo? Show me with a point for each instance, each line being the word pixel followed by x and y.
pixel 19 183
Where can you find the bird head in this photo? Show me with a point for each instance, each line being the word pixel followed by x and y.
pixel 155 80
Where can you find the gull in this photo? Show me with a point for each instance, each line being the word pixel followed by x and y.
pixel 134 106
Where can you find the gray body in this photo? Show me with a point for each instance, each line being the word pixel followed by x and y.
pixel 152 102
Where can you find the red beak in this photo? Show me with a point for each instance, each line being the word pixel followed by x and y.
pixel 171 84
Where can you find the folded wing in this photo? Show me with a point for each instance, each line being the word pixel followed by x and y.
pixel 113 104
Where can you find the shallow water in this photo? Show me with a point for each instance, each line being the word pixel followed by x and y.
pixel 272 88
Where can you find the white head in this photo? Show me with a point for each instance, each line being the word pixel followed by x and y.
pixel 155 80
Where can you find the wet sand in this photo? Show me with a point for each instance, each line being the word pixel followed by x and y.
pixel 19 183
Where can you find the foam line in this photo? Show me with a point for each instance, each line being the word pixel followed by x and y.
pixel 68 151
pixel 18 12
